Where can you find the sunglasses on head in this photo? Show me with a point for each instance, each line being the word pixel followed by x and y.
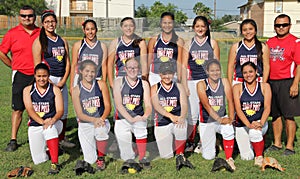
pixel 27 15
pixel 282 25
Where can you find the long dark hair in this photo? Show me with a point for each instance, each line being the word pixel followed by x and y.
pixel 205 20
pixel 87 21
pixel 173 41
pixel 43 37
pixel 258 44
pixel 137 39
pixel 82 66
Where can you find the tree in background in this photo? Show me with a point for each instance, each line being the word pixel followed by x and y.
pixel 201 10
pixel 12 7
pixel 153 14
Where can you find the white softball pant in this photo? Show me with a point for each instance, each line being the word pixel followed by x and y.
pixel 65 94
pixel 164 138
pixel 208 137
pixel 123 132
pixel 88 136
pixel 38 136
pixel 193 112
pixel 244 136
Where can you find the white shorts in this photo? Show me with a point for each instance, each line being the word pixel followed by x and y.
pixel 164 138
pixel 65 95
pixel 37 137
pixel 88 136
pixel 193 112
pixel 124 131
pixel 208 137
pixel 244 137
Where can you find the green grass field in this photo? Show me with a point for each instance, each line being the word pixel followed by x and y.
pixel 160 168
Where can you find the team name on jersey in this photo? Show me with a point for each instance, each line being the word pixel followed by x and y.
pixel 165 52
pixel 215 100
pixel 131 99
pixel 199 54
pixel 168 101
pixel 251 107
pixel 41 106
pixel 92 57
pixel 58 52
pixel 91 102
pixel 126 54
pixel 277 53
pixel 247 58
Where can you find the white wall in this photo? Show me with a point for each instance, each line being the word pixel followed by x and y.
pixel 290 7
pixel 116 8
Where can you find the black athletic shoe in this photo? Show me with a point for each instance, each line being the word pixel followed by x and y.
pixel 288 152
pixel 54 169
pixel 273 148
pixel 100 163
pixel 179 162
pixel 145 163
pixel 11 146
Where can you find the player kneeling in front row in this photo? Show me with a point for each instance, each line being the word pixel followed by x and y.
pixel 170 102
pixel 91 102
pixel 44 104
pixel 130 94
pixel 252 100
pixel 213 93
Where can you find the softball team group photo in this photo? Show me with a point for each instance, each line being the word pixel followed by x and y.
pixel 166 87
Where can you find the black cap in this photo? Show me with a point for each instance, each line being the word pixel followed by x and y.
pixel 167 67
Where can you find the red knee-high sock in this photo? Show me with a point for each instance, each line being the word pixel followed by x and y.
pixel 192 130
pixel 179 146
pixel 141 146
pixel 62 134
pixel 53 149
pixel 258 147
pixel 101 147
pixel 228 147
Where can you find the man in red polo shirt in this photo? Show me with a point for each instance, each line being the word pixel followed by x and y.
pixel 18 41
pixel 284 79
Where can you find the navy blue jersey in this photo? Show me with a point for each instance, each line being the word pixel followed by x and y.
pixel 94 53
pixel 252 104
pixel 43 104
pixel 199 54
pixel 245 54
pixel 123 52
pixel 163 52
pixel 216 99
pixel 170 101
pixel 91 100
pixel 55 56
pixel 132 98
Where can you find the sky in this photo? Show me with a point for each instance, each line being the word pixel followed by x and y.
pixel 223 7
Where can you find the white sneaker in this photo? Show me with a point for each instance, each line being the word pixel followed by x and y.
pixel 230 161
pixel 198 149
pixel 258 161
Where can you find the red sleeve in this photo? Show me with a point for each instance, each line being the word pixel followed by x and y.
pixel 6 43
pixel 297 52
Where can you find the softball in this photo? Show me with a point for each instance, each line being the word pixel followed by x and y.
pixel 131 170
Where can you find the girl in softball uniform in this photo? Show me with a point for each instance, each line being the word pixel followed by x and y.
pixel 213 93
pixel 133 107
pixel 170 103
pixel 53 50
pixel 252 101
pixel 44 105
pixel 249 49
pixel 89 48
pixel 129 45
pixel 196 54
pixel 165 47
pixel 255 51
pixel 91 102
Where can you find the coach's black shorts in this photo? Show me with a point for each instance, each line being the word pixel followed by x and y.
pixel 20 81
pixel 282 103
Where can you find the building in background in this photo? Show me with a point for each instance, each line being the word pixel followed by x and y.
pixel 265 11
pixel 93 8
